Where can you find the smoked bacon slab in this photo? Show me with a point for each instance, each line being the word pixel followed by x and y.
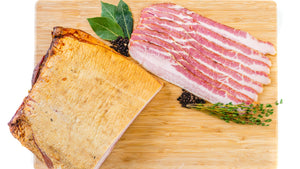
pixel 84 96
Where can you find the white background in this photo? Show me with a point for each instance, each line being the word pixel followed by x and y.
pixel 16 64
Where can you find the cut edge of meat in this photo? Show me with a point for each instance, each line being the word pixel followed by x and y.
pixel 110 148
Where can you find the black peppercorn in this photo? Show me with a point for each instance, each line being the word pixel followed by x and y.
pixel 120 45
pixel 188 98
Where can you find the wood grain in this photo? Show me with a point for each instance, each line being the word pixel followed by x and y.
pixel 166 135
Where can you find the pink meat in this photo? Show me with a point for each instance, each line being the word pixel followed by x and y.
pixel 207 38
pixel 194 53
pixel 200 70
pixel 226 31
pixel 160 62
pixel 195 48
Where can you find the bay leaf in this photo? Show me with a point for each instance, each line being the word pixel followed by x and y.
pixel 105 28
pixel 109 11
pixel 124 18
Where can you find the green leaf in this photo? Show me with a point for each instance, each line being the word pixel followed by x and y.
pixel 268 120
pixel 124 18
pixel 268 105
pixel 105 28
pixel 109 11
pixel 281 101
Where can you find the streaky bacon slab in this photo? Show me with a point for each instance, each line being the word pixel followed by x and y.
pixel 196 29
pixel 204 63
pixel 210 38
pixel 185 49
pixel 200 70
pixel 160 62
pixel 195 49
pixel 227 31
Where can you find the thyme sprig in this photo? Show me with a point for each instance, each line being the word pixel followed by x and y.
pixel 252 114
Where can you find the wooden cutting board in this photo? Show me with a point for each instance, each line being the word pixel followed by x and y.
pixel 166 135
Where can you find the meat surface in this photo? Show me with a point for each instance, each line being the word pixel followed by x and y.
pixel 84 96
pixel 226 64
pixel 237 35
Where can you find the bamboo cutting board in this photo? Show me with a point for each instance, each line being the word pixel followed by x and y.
pixel 166 135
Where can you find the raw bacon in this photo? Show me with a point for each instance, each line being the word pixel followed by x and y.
pixel 211 60
pixel 229 32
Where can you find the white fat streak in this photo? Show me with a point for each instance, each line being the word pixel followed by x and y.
pixel 170 27
pixel 180 15
pixel 180 40
pixel 218 42
pixel 166 18
pixel 184 16
pixel 182 23
pixel 249 40
pixel 177 7
pixel 174 28
pixel 255 77
pixel 254 67
pixel 165 69
pixel 225 80
pixel 251 95
pixel 189 12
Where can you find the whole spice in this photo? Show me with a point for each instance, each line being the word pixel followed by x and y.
pixel 124 18
pixel 188 98
pixel 105 28
pixel 257 114
pixel 120 45
pixel 114 25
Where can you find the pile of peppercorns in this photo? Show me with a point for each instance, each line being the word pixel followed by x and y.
pixel 188 98
pixel 120 45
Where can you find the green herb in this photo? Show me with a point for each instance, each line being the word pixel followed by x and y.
pixel 241 113
pixel 276 103
pixel 109 11
pixel 105 28
pixel 124 18
pixel 115 21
